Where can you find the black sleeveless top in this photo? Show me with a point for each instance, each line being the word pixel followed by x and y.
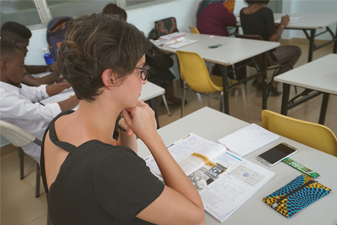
pixel 98 184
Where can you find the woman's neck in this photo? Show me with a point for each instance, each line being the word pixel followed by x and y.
pixel 97 119
pixel 252 8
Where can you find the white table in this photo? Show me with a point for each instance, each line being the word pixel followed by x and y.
pixel 319 75
pixel 311 22
pixel 231 51
pixel 212 125
pixel 148 93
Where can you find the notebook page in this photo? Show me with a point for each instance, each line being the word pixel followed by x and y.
pixel 248 139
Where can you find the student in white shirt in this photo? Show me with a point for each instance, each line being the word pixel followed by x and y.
pixel 19 104
pixel 20 35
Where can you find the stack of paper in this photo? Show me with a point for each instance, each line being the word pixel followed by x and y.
pixel 172 36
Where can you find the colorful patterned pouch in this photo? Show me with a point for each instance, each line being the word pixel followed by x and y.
pixel 296 195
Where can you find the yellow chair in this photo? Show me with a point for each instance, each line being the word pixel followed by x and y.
pixel 194 74
pixel 194 30
pixel 311 134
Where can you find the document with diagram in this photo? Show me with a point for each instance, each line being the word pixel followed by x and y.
pixel 224 180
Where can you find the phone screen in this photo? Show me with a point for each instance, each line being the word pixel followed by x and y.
pixel 277 153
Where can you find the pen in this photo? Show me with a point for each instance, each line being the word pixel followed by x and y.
pixel 173 41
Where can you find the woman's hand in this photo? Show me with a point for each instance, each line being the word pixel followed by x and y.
pixel 141 121
pixel 122 124
pixel 285 20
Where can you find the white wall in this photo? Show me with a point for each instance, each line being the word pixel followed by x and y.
pixel 309 6
pixel 184 11
pixel 143 18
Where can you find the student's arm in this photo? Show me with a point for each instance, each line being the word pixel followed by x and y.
pixel 29 80
pixel 127 136
pixel 180 202
pixel 54 89
pixel 284 22
pixel 228 18
pixel 69 103
pixel 37 69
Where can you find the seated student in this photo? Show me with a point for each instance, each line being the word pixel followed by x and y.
pixel 259 20
pixel 163 78
pixel 20 35
pixel 89 177
pixel 17 99
pixel 213 18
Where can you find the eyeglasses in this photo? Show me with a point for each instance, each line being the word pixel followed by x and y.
pixel 144 73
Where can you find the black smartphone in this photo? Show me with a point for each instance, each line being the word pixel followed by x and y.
pixel 276 154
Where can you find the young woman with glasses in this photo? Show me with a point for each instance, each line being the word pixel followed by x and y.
pixel 89 177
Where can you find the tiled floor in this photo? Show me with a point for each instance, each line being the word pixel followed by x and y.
pixel 20 207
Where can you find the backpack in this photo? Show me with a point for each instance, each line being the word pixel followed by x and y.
pixel 158 59
pixel 56 31
pixel 163 27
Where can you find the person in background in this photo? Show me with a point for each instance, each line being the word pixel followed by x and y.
pixel 213 18
pixel 163 78
pixel 259 20
pixel 20 35
pixel 20 103
pixel 89 177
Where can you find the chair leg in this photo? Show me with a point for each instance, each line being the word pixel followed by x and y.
pixel 209 100
pixel 210 69
pixel 221 102
pixel 21 156
pixel 244 101
pixel 38 175
pixel 166 106
pixel 183 100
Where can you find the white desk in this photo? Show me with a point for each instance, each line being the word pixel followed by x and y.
pixel 231 51
pixel 319 75
pixel 212 125
pixel 312 22
pixel 149 92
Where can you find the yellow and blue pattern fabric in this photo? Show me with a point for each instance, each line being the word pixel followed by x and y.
pixel 296 195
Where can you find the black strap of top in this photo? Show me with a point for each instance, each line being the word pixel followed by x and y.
pixel 53 137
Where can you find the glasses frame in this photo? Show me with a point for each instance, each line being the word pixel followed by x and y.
pixel 144 72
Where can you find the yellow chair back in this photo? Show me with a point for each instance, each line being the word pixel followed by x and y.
pixel 194 30
pixel 311 134
pixel 193 70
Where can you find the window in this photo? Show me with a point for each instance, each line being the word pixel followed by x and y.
pixel 32 12
pixel 75 7
pixel 24 12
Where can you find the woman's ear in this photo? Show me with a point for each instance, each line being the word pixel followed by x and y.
pixel 109 78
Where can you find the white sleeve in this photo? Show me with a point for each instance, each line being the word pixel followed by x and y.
pixel 35 93
pixel 16 107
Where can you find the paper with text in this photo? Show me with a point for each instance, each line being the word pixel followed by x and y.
pixel 224 180
pixel 248 139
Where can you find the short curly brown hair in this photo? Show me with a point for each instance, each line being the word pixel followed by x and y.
pixel 94 43
pixel 113 9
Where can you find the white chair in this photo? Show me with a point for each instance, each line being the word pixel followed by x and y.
pixel 19 137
